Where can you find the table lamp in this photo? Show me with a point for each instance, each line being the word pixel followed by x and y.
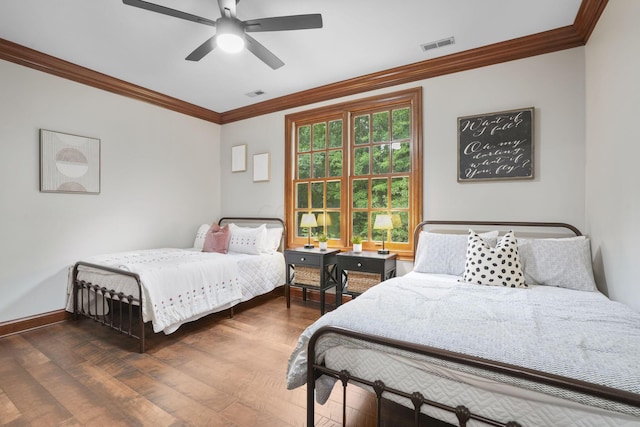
pixel 383 222
pixel 308 220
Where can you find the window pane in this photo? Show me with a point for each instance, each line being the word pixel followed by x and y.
pixel 319 167
pixel 304 138
pixel 400 232
pixel 319 136
pixel 381 159
pixel 360 225
pixel 333 226
pixel 401 157
pixel 381 127
pixel 333 194
pixel 361 130
pixel 401 124
pixel 302 195
pixel 379 193
pixel 335 163
pixel 360 193
pixel 335 134
pixel 361 161
pixel 304 166
pixel 317 195
pixel 400 192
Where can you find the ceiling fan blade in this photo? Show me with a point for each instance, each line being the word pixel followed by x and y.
pixel 202 50
pixel 168 11
pixel 284 23
pixel 263 53
pixel 227 8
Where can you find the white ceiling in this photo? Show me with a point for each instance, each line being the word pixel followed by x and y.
pixel 358 37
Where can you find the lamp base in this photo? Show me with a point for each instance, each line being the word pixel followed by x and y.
pixel 309 246
pixel 383 251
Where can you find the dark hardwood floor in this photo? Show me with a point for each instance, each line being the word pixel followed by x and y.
pixel 217 371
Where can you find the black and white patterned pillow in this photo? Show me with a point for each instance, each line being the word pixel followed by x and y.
pixel 499 266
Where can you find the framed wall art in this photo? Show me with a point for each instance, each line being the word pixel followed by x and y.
pixel 261 167
pixel 69 163
pixel 496 146
pixel 239 158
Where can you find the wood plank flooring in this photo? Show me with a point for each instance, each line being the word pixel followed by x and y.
pixel 217 371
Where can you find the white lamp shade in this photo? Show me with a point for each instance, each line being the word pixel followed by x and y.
pixel 383 222
pixel 308 220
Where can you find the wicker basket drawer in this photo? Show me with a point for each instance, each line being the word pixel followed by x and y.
pixel 307 275
pixel 358 281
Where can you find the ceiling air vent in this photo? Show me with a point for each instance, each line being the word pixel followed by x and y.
pixel 255 93
pixel 439 43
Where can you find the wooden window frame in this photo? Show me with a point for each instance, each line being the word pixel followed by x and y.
pixel 346 111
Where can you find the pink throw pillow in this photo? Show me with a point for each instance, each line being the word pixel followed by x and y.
pixel 217 239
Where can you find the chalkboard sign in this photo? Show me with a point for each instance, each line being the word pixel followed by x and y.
pixel 496 146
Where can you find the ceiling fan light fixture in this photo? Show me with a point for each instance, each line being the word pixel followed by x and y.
pixel 230 43
pixel 230 36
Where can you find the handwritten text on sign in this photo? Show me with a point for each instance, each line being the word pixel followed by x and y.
pixel 496 146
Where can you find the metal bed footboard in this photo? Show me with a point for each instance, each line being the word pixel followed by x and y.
pixel 463 414
pixel 125 311
pixel 121 312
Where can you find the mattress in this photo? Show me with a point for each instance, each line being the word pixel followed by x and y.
pixel 611 330
pixel 259 274
pixel 205 283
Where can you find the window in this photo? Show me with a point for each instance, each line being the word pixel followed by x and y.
pixel 350 162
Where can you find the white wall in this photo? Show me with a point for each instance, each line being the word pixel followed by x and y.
pixel 613 150
pixel 553 84
pixel 160 181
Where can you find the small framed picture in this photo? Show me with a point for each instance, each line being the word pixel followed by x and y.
pixel 69 163
pixel 239 158
pixel 261 167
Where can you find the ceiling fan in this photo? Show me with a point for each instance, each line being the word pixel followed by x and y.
pixel 231 33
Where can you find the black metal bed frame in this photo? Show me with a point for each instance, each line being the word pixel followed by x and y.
pixel 462 413
pixel 125 311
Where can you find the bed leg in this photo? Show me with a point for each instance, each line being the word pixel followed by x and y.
pixel 141 324
pixel 417 399
pixel 344 379
pixel 378 387
pixel 230 312
pixel 311 383
pixel 75 292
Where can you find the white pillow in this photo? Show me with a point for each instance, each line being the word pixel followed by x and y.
pixel 565 263
pixel 441 253
pixel 248 240
pixel 198 243
pixel 499 266
pixel 274 236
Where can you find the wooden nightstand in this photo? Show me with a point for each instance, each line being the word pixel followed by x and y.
pixel 361 270
pixel 312 269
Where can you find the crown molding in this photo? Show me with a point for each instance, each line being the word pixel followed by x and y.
pixel 523 47
pixel 588 16
pixel 558 39
pixel 23 55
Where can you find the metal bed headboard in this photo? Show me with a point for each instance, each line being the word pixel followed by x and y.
pixel 503 224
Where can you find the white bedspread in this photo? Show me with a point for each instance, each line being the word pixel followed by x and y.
pixel 178 284
pixel 576 334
